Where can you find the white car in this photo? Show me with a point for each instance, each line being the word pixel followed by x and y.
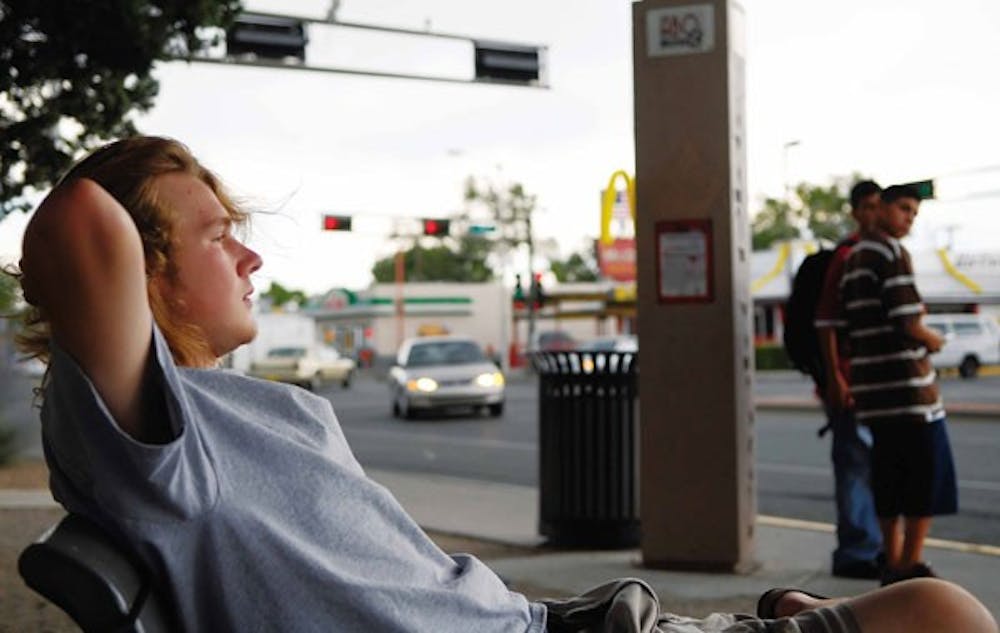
pixel 970 341
pixel 307 367
pixel 437 372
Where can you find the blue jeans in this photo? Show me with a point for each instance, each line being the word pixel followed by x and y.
pixel 858 535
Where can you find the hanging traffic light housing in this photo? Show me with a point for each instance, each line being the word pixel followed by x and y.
pixel 924 188
pixel 336 223
pixel 508 63
pixel 436 227
pixel 267 36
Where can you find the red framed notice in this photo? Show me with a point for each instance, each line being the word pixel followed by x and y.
pixel 684 261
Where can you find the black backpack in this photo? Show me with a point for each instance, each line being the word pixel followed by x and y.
pixel 801 341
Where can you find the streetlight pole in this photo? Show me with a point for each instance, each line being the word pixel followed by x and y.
pixel 784 165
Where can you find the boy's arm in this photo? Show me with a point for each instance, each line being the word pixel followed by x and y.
pixel 829 316
pixel 914 328
pixel 838 394
pixel 83 267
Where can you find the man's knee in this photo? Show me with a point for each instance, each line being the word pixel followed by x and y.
pixel 951 606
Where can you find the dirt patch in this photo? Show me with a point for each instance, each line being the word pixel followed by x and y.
pixel 25 474
pixel 21 609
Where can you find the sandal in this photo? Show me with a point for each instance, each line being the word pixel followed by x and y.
pixel 768 602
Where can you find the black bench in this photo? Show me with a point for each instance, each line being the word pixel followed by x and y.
pixel 78 567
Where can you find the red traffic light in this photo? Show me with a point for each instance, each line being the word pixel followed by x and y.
pixel 436 227
pixel 336 223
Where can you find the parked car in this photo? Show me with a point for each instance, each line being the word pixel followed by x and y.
pixel 551 341
pixel 437 372
pixel 307 367
pixel 971 341
pixel 619 343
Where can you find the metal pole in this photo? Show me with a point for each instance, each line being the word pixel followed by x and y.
pixel 533 287
pixel 400 312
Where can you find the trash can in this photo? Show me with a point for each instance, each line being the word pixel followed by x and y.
pixel 588 475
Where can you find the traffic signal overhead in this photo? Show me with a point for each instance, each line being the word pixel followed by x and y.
pixel 924 188
pixel 436 227
pixel 336 223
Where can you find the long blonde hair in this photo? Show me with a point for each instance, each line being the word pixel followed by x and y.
pixel 128 170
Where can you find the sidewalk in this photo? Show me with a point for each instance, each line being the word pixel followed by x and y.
pixel 803 403
pixel 790 553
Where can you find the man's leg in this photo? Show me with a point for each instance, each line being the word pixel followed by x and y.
pixel 892 541
pixel 858 536
pixel 915 530
pixel 923 605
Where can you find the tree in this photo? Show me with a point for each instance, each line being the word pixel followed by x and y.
pixel 466 263
pixel 76 73
pixel 824 210
pixel 279 295
pixel 576 267
pixel 510 208
pixel 8 294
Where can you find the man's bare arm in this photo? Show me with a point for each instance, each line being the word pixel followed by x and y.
pixel 84 268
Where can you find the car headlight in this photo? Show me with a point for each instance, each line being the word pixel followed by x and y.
pixel 490 379
pixel 422 384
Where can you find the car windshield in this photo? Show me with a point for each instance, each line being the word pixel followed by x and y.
pixel 287 352
pixel 444 353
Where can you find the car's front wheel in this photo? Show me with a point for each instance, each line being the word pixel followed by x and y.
pixel 969 367
pixel 496 410
pixel 346 382
pixel 401 408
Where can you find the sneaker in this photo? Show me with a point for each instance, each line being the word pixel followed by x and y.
pixel 918 570
pixel 864 569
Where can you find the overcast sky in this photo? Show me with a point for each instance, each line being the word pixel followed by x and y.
pixel 896 89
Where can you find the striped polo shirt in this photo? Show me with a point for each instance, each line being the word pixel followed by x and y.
pixel 892 379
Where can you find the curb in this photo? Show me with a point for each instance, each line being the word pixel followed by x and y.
pixel 962 409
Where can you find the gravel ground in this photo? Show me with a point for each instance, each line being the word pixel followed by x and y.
pixel 24 611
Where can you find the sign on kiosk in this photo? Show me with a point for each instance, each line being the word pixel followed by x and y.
pixel 616 254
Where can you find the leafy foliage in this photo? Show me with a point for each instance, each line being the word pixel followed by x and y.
pixel 279 295
pixel 576 267
pixel 509 206
pixel 75 74
pixel 8 293
pixel 824 210
pixel 467 263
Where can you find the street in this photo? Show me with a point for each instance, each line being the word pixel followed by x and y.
pixel 793 470
pixel 794 477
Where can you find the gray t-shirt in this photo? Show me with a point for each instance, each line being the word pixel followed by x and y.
pixel 258 515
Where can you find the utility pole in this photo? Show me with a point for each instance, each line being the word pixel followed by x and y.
pixel 533 293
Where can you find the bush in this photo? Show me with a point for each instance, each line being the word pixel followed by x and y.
pixel 770 356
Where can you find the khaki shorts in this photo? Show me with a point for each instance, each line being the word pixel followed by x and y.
pixel 629 605
pixel 838 619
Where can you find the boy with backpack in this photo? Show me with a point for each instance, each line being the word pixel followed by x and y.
pixel 820 353
pixel 894 387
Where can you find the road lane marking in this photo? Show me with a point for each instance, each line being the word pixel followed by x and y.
pixel 818 471
pixel 817 526
pixel 444 439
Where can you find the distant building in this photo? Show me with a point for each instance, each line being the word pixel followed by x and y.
pixel 949 281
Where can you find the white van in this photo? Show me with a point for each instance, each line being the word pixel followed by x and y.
pixel 971 340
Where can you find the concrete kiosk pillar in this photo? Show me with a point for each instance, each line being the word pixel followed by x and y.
pixel 694 309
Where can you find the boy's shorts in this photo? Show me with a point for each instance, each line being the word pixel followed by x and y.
pixel 913 473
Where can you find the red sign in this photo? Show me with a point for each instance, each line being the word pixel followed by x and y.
pixel 617 259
